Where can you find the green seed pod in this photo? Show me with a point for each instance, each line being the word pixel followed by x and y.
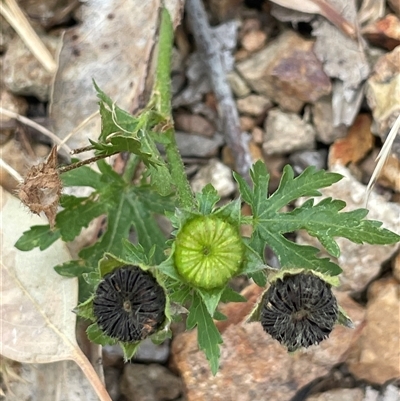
pixel 209 251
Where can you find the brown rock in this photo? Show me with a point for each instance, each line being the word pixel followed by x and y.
pixel 246 123
pixel 254 367
pixel 375 357
pixel 382 91
pixel 23 74
pixel 254 40
pixel 194 124
pixel 249 25
pixel 255 151
pixel 396 267
pixel 224 9
pixel 287 72
pixel 253 105
pixel 257 133
pixel 241 55
pixel 384 33
pixel 357 143
pixel 287 132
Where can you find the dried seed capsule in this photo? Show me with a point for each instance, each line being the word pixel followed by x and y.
pixel 209 251
pixel 129 304
pixel 299 310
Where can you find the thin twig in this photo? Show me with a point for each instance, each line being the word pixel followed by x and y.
pixel 73 166
pixel 226 104
pixel 16 18
pixel 36 126
pixel 11 171
pixel 82 150
pixel 382 157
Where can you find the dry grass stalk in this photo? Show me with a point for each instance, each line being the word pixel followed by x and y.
pixel 10 10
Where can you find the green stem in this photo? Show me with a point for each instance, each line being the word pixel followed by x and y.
pixel 162 94
pixel 130 168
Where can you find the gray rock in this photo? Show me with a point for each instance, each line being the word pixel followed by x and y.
pixel 216 173
pixel 191 145
pixel 112 355
pixel 149 383
pixel 6 34
pixel 287 132
pixel 22 72
pixel 390 393
pixel 112 376
pixel 16 104
pixel 149 352
pixel 322 113
pixel 177 71
pixel 302 159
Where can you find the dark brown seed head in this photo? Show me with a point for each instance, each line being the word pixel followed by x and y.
pixel 129 304
pixel 299 310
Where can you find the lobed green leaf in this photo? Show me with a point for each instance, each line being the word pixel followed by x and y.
pixel 208 336
pixel 37 236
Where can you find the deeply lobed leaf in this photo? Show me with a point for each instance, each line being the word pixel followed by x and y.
pixel 208 336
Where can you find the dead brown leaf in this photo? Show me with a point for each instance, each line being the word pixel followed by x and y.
pixel 58 381
pixel 37 322
pixel 41 189
pixel 357 143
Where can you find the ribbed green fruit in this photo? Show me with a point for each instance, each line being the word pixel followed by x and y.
pixel 209 251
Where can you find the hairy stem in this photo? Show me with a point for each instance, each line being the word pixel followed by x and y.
pixel 162 94
pixel 73 166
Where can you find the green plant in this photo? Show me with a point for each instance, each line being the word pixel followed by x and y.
pixel 206 249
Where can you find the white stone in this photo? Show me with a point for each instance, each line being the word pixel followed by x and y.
pixel 217 174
